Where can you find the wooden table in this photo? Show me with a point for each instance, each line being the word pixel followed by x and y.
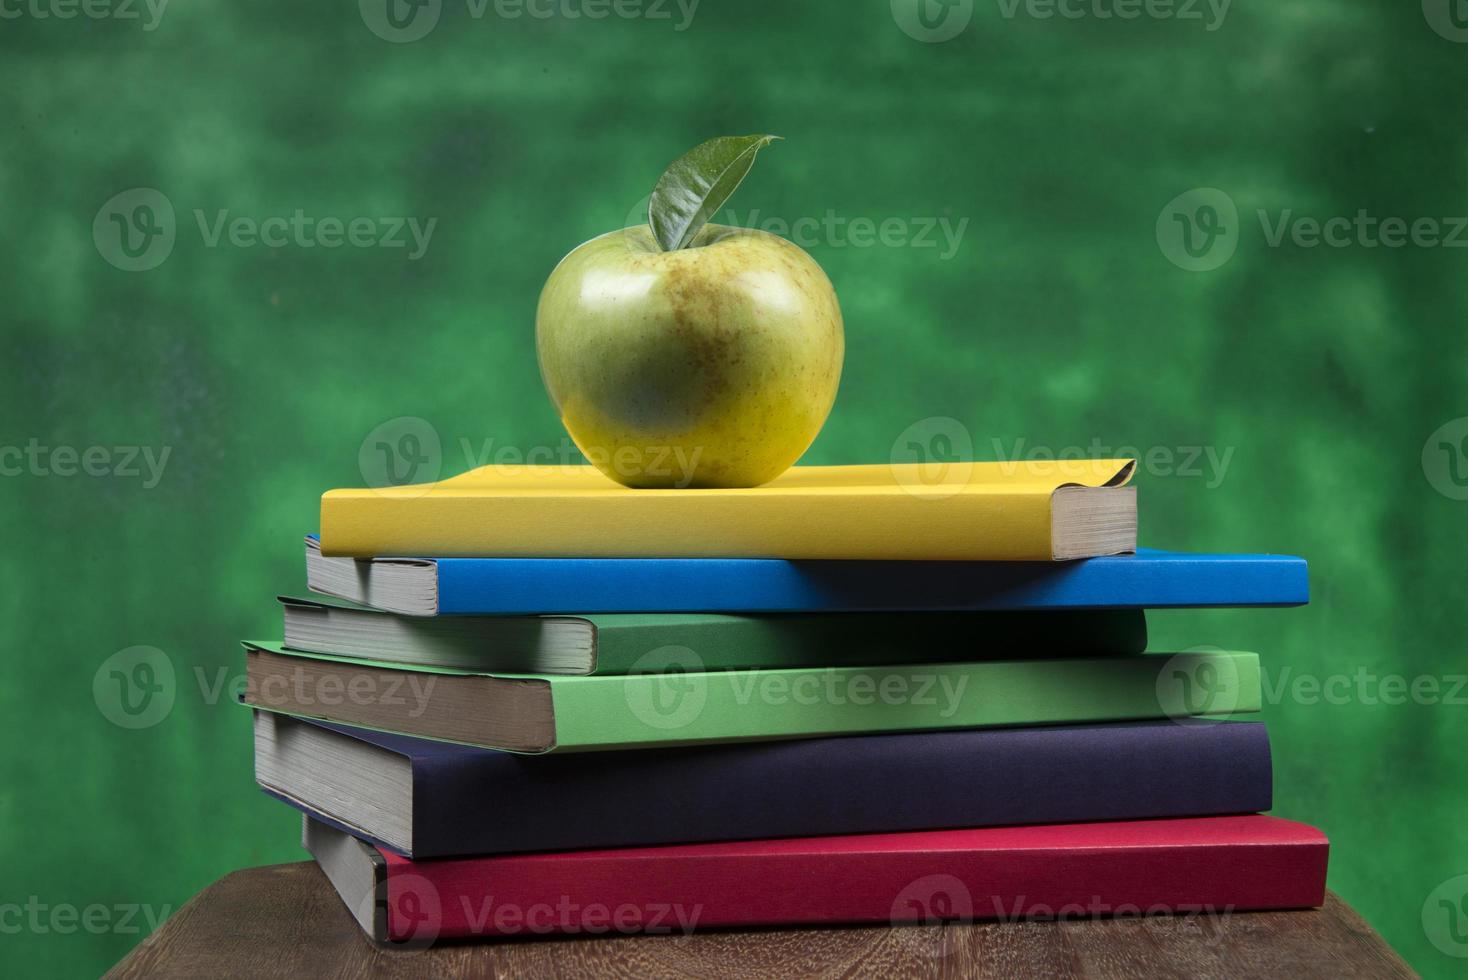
pixel 287 921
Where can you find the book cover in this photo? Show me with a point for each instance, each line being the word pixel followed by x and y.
pixel 1216 865
pixel 676 704
pixel 463 586
pixel 998 511
pixel 462 801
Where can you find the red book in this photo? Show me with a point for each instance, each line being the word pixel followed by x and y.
pixel 1197 865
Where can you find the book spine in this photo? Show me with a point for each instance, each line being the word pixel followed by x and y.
pixel 713 706
pixel 488 803
pixel 1118 869
pixel 638 585
pixel 751 642
pixel 632 585
pixel 999 526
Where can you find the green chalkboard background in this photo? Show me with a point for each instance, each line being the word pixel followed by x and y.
pixel 1110 283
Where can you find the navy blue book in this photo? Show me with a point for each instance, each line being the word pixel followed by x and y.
pixel 1147 579
pixel 431 799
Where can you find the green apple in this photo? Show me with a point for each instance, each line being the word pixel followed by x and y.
pixel 713 364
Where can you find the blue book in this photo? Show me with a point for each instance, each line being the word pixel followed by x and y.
pixel 481 586
pixel 432 799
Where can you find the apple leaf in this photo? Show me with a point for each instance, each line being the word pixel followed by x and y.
pixel 697 184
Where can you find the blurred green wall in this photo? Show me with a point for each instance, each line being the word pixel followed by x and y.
pixel 1085 305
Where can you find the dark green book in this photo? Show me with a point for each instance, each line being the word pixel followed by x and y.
pixel 621 643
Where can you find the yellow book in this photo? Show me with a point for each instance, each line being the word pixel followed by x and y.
pixel 1036 510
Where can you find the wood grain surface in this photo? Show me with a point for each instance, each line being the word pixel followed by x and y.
pixel 287 921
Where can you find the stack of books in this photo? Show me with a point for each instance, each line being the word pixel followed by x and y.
pixel 851 695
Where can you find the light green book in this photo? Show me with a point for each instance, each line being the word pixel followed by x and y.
pixel 667 704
